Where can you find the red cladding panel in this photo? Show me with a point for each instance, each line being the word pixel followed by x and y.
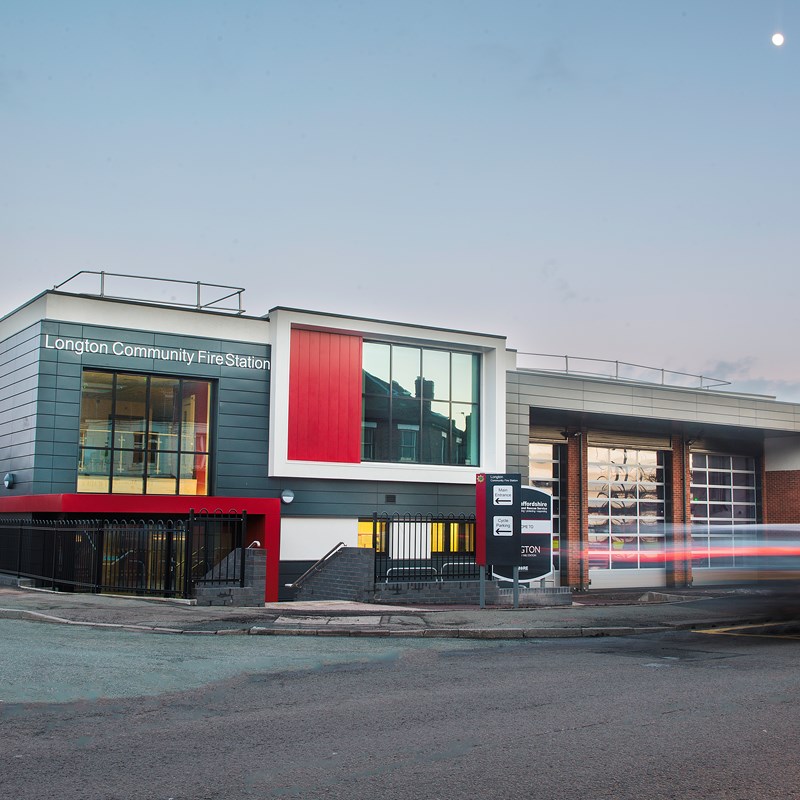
pixel 325 397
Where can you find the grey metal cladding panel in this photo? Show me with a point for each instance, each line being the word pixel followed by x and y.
pixel 331 498
pixel 402 489
pixel 63 487
pixel 49 365
pixel 251 429
pixel 47 387
pixel 236 490
pixel 467 503
pixel 68 367
pixel 27 338
pixel 242 445
pixel 18 454
pixel 17 372
pixel 18 407
pixel 65 435
pixel 67 422
pixel 240 469
pixel 227 410
pixel 260 350
pixel 44 434
pixel 538 382
pixel 63 449
pixel 254 392
pixel 72 330
pixel 24 353
pixel 236 485
pixel 558 403
pixel 24 423
pixel 18 458
pixel 685 406
pixel 244 384
pixel 239 456
pixel 238 433
pixel 45 448
pixel 21 438
pixel 621 395
pixel 66 477
pixel 45 463
pixel 20 388
pixel 259 399
pixel 69 401
pixel 366 490
pixel 518 426
pixel 110 335
pixel 68 383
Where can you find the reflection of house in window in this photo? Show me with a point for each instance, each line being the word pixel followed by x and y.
pixel 368 440
pixel 419 405
pixel 408 442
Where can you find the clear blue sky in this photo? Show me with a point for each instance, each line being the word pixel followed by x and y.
pixel 614 179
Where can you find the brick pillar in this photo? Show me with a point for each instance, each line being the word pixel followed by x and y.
pixel 781 496
pixel 678 539
pixel 574 555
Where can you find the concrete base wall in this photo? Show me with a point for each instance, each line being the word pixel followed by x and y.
pixel 349 575
pixel 251 594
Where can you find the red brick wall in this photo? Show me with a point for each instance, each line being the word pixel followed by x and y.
pixel 781 496
pixel 574 560
pixel 679 565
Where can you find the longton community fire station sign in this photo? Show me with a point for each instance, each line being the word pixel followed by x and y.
pixel 498 519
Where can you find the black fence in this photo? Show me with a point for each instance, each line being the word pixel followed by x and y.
pixel 145 557
pixel 413 548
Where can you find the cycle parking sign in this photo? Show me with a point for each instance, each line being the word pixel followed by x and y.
pixel 498 518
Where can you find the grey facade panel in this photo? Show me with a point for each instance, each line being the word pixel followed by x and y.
pixel 241 409
pixel 240 458
pixel 47 368
pixel 19 356
pixel 363 498
pixel 599 396
pixel 247 445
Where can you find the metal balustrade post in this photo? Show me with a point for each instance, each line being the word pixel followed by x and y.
pixel 98 559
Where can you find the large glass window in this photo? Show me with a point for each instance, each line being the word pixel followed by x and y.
pixel 723 489
pixel 626 508
pixel 546 466
pixel 420 405
pixel 142 434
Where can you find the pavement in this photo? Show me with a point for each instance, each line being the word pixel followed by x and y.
pixel 592 613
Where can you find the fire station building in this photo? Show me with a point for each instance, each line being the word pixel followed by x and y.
pixel 314 422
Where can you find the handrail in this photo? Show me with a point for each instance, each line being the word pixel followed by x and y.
pixel 705 381
pixel 316 566
pixel 197 287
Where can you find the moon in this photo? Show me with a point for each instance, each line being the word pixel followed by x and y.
pixel 777 39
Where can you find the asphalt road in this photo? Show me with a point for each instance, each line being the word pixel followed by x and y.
pixel 97 714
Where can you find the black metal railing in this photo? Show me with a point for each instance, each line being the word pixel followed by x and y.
pixel 56 554
pixel 144 557
pixel 216 544
pixel 420 548
pixel 147 557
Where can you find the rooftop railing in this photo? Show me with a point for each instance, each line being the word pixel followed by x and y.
pixel 616 370
pixel 183 294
